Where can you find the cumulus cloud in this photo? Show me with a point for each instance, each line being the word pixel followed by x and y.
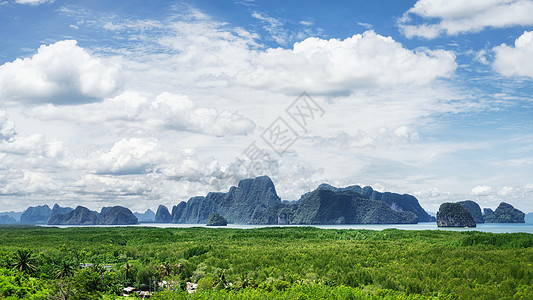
pixel 16 149
pixel 481 190
pixel 458 16
pixel 7 127
pixel 165 112
pixel 26 182
pixel 515 61
pixel 361 138
pixel 110 185
pixel 129 156
pixel 61 73
pixel 339 66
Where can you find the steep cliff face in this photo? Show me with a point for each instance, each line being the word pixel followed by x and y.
pixel 395 201
pixel 254 201
pixel 454 215
pixel 36 215
pixel 474 209
pixel 79 216
pixel 347 207
pixel 56 209
pixel 147 216
pixel 162 215
pixel 249 202
pixel 505 213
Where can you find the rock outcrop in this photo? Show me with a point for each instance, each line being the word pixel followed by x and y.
pixel 474 209
pixel 397 202
pixel 116 215
pixel 36 215
pixel 79 216
pixel 6 219
pixel 162 215
pixel 217 220
pixel 324 206
pixel 253 201
pixel 505 213
pixel 454 215
pixel 147 216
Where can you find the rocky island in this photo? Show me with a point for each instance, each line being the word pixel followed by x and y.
pixel 454 215
pixel 217 220
pixel 505 213
pixel 255 201
pixel 116 215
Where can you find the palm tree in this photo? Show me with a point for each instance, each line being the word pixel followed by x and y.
pixel 98 269
pixel 165 269
pixel 24 261
pixel 129 271
pixel 66 269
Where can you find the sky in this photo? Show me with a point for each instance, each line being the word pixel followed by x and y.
pixel 141 103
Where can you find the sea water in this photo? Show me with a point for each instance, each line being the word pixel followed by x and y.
pixel 485 227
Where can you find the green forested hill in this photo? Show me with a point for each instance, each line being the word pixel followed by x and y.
pixel 266 263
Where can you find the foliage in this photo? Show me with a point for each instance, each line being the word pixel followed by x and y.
pixel 17 285
pixel 266 263
pixel 23 261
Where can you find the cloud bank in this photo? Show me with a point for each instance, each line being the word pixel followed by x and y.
pixel 453 17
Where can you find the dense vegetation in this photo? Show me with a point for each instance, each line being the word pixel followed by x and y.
pixel 266 263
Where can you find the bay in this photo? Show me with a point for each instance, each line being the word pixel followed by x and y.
pixel 484 227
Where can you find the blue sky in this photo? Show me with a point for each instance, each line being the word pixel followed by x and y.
pixel 148 102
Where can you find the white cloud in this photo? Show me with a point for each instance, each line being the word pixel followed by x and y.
pixel 7 127
pixel 458 16
pixel 340 66
pixel 166 112
pixel 481 190
pixel 506 191
pixel 274 27
pixel 515 61
pixel 365 25
pixel 59 73
pixel 129 156
pixel 26 182
pixel 361 138
pixel 33 2
pixel 110 185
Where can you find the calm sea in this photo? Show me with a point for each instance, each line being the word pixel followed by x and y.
pixel 489 227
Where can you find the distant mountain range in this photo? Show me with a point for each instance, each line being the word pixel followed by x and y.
pixel 42 214
pixel 255 201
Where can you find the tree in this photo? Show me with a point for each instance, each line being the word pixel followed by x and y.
pixel 24 261
pixel 66 269
pixel 165 269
